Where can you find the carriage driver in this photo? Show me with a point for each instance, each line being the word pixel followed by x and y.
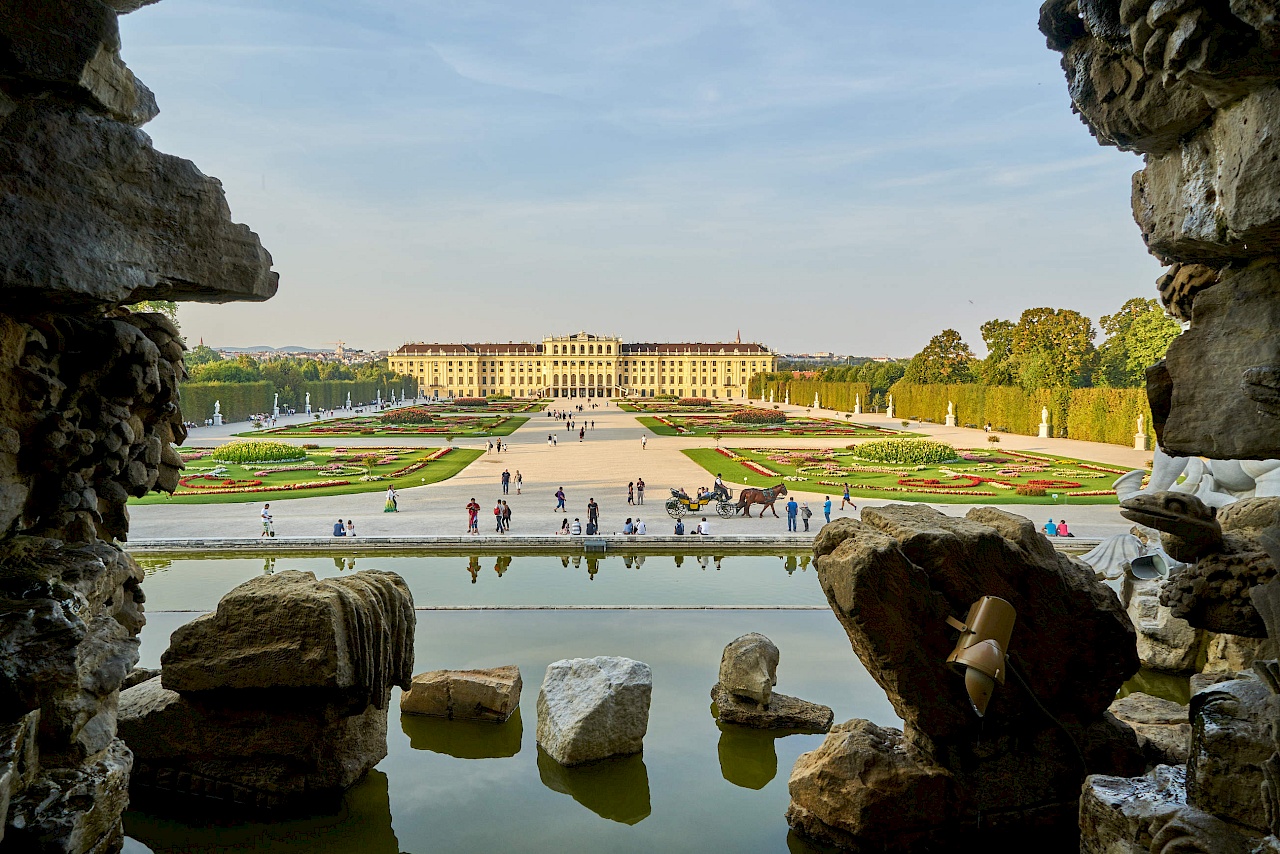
pixel 719 488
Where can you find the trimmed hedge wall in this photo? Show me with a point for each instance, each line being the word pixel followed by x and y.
pixel 831 395
pixel 240 400
pixel 1089 414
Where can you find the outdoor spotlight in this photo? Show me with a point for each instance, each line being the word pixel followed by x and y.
pixel 1150 567
pixel 984 640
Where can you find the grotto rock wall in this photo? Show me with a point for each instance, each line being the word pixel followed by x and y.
pixel 1192 86
pixel 92 218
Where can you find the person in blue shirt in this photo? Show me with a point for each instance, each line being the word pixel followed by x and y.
pixel 339 530
pixel 1050 529
pixel 826 509
pixel 679 527
pixel 792 509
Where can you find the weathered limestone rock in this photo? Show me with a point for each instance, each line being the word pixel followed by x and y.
pixel 1165 642
pixel 265 752
pixel 1162 726
pixel 477 695
pixel 1232 653
pixel 593 708
pixel 782 712
pixel 74 809
pixel 892 580
pixel 1231 742
pixel 744 694
pixel 749 668
pixel 866 787
pixel 281 694
pixel 351 635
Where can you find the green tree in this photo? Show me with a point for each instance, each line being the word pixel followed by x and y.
pixel 239 370
pixel 160 306
pixel 1053 348
pixel 997 368
pixel 945 359
pixel 201 355
pixel 1137 337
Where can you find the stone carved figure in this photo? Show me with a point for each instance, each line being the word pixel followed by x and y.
pixel 92 218
pixel 217 407
pixel 1191 86
pixel 1044 415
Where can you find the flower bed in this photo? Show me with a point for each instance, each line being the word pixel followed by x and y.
pixel 913 451
pixel 758 416
pixel 408 415
pixel 470 401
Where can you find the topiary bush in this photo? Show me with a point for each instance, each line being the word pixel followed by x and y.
pixel 919 452
pixel 1027 489
pixel 256 451
pixel 758 416
pixel 693 401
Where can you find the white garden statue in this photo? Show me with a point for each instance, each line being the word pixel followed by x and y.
pixel 951 413
pixel 217 407
pixel 1044 415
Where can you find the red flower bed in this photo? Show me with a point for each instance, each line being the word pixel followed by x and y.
pixel 1054 484
pixel 969 481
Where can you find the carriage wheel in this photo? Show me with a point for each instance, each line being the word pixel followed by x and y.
pixel 726 509
pixel 674 508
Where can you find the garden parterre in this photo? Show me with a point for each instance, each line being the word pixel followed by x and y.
pixel 723 424
pixel 409 421
pixel 975 477
pixel 311 472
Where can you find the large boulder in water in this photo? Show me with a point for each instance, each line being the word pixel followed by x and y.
pixel 593 708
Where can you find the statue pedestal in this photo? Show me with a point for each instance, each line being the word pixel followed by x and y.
pixel 1140 442
pixel 217 419
pixel 889 413
pixel 1044 431
pixel 308 409
pixel 275 412
pixel 857 409
pixel 951 421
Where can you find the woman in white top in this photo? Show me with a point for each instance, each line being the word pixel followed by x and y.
pixel 641 529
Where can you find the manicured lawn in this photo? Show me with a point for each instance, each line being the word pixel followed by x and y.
pixel 476 425
pixel 398 467
pixel 968 481
pixel 707 424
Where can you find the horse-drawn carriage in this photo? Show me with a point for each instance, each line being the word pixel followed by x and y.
pixel 680 503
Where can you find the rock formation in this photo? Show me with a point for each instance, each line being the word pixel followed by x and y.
pixel 1192 87
pixel 1162 727
pixel 593 708
pixel 744 694
pixel 466 695
pixel 92 219
pixel 278 700
pixel 893 579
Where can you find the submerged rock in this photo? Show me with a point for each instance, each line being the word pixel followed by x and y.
pixel 782 712
pixel 476 695
pixel 593 708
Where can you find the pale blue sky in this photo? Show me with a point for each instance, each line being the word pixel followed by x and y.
pixel 845 175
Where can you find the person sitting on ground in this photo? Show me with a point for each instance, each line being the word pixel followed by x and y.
pixel 627 527
pixel 679 527
pixel 704 527
pixel 1063 531
pixel 351 528
pixel 338 529
pixel 641 529
pixel 576 528
pixel 1050 529
pixel 564 527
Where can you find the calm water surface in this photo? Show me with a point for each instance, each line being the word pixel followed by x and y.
pixel 449 786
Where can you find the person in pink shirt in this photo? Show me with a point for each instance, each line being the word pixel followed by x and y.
pixel 1062 529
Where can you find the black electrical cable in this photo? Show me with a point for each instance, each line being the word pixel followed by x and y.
pixel 1084 765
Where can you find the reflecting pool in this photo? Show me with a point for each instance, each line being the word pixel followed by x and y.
pixel 467 787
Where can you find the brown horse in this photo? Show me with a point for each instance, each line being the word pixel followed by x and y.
pixel 763 497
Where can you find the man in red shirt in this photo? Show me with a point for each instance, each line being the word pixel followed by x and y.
pixel 473 517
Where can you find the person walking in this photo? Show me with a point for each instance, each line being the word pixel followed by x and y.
pixel 582 433
pixel 805 515
pixel 473 517
pixel 845 499
pixel 593 517
pixel 519 481
pixel 631 492
pixel 497 516
pixel 490 443
pixel 506 517
pixel 554 441
pixel 268 530
pixel 640 491
pixel 560 500
pixel 826 509
pixel 644 442
pixel 792 509
pixel 392 505
pixel 549 440
pixel 506 481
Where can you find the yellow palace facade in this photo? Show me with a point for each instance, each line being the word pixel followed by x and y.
pixel 583 365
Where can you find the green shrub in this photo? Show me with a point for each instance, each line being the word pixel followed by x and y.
pixel 1027 489
pixel 258 451
pixel 498 397
pixel 408 415
pixel 470 401
pixel 920 452
pixel 758 416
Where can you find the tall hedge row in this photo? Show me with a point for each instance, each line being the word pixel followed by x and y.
pixel 239 400
pixel 1090 414
pixel 831 395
